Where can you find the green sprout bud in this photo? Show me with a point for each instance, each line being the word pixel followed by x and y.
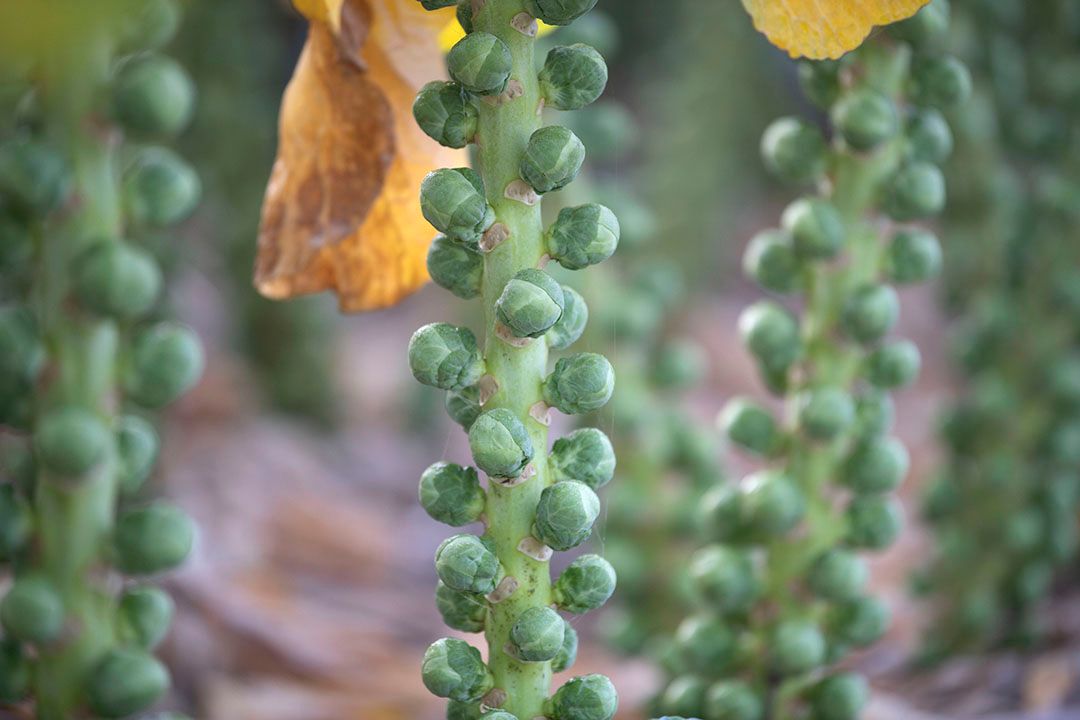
pixel 586 584
pixel 160 189
pixel 706 643
pixel 860 622
pixel 590 697
pixel 870 312
pixel 927 27
pixel 565 515
pixel 838 575
pixel 771 262
pixel 33 175
pixel 772 503
pixel 153 95
pixel 500 444
pixel 166 362
pixel 498 715
pixel 16 522
pixel 456 267
pixel 454 669
pixel 481 63
pixel 446 114
pixel 572 322
pixel 463 406
pixel 567 654
pixel 750 426
pixel 929 137
pixel 678 365
pixel 22 354
pixel 137 449
pixel 558 12
pixel 537 635
pixel 917 191
pixel 452 200
pixel 585 455
pixel 456 710
pixel 583 235
pixel 145 614
pixel 820 81
pixel 894 365
pixel 151 539
pixel 724 577
pixel 772 335
pixel 874 521
pixel 874 413
pixel 32 611
pixel 467 563
pixel 70 441
pixel 733 700
pixel 797 646
pixel 462 611
pixel 15 670
pixel 825 412
pixel 117 280
pixel 530 304
pixel 720 511
pixel 452 494
pixel 126 681
pixel 815 226
pixel 793 150
pixel 839 697
pixel 876 465
pixel 445 356
pixel 914 256
pixel 939 82
pixel 684 694
pixel 609 131
pixel 865 118
pixel 151 26
pixel 580 383
pixel 552 159
pixel 573 76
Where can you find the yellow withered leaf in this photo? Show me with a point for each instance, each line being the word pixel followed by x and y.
pixel 820 29
pixel 341 210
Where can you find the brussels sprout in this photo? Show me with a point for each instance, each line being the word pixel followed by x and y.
pixel 860 622
pixel 939 81
pixel 721 513
pixel 725 577
pixel 771 502
pixel 565 514
pixel 894 365
pixel 825 412
pixel 481 63
pixel 583 235
pixel 456 267
pixel 537 635
pixel 445 356
pixel 815 226
pixel 917 191
pixel 567 654
pixel 609 132
pixel 793 150
pixel 929 137
pixel 14 672
pixel 870 312
pixel 33 175
pixel 874 521
pixel 117 280
pixel 586 584
pixel 733 700
pixel 153 95
pixel 456 710
pixel 572 322
pixel 151 539
pixel 444 111
pixel 159 188
pixel 580 383
pixel 145 614
pixel 152 25
pixel 16 522
pixel 838 575
pixel 552 159
pixel 573 76
pixel 452 200
pixel 467 563
pixel 500 444
pixel 558 12
pixel 772 335
pixel 820 81
pixel 929 26
pixel 771 262
pixel 22 354
pixel 32 610
pixel 585 455
pixel 876 465
pixel 454 669
pixel 797 646
pixel 530 304
pixel 137 448
pixel 463 406
pixel 914 256
pixel 590 697
pixel 865 118
pixel 684 694
pixel 839 697
pixel 452 494
pixel 462 611
pixel 166 362
pixel 498 715
pixel 874 413
pixel 706 643
pixel 70 441
pixel 124 682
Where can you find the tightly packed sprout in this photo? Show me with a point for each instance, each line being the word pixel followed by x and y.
pixel 782 584
pixel 493 247
pixel 82 362
pixel 1004 507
